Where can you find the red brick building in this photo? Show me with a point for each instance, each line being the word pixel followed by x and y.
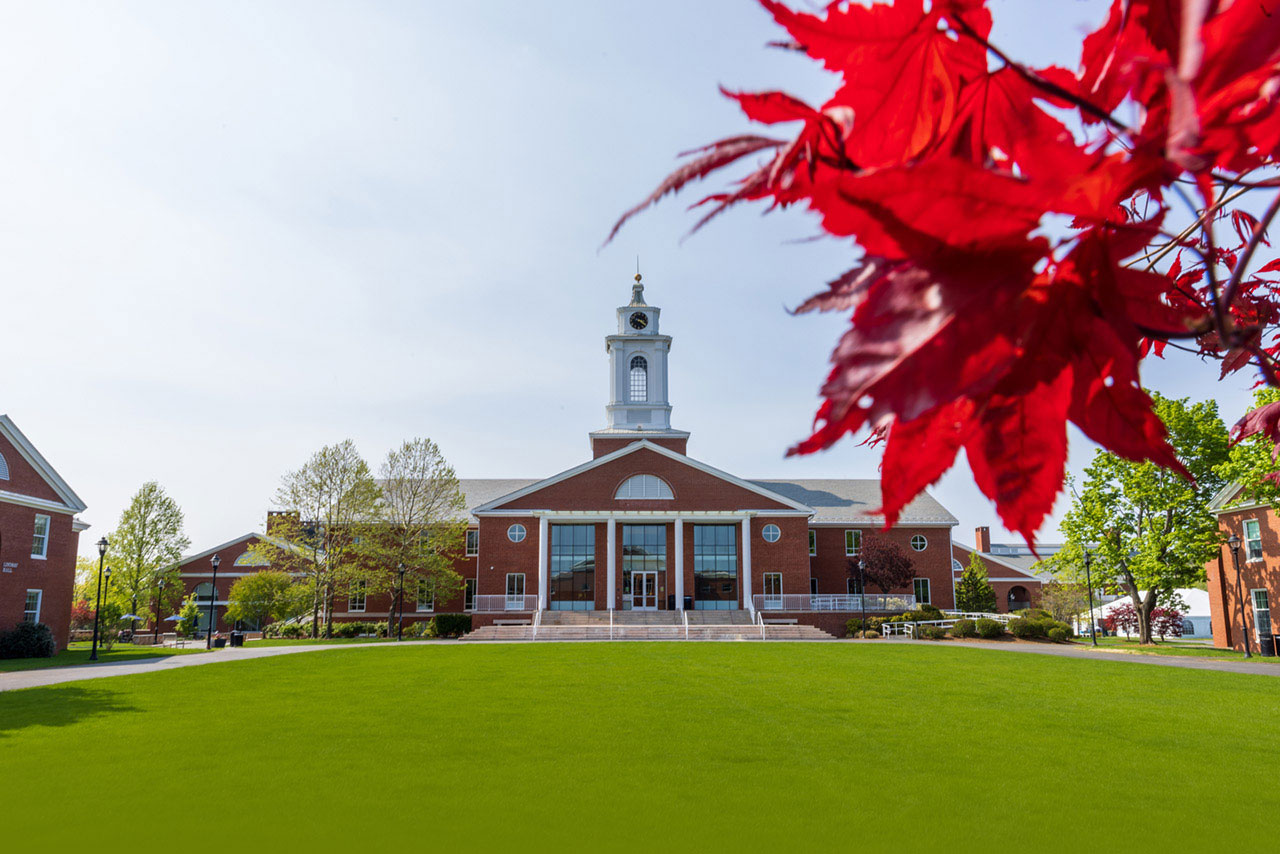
pixel 1257 527
pixel 39 537
pixel 642 526
pixel 1010 569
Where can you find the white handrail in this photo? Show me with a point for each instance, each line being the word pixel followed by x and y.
pixel 684 615
pixel 610 624
pixel 760 614
pixel 537 620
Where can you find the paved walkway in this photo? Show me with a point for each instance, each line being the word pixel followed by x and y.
pixel 79 672
pixel 1261 667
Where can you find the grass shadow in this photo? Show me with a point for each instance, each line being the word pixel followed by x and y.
pixel 56 706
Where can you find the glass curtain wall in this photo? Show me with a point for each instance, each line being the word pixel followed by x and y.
pixel 644 549
pixel 572 568
pixel 715 567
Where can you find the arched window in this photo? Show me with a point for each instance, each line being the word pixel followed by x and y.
pixel 639 380
pixel 4 468
pixel 203 592
pixel 644 486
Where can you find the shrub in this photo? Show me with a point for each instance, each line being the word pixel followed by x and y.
pixel 1035 614
pixel 1058 634
pixel 420 629
pixel 869 634
pixel 452 625
pixel 989 629
pixel 1021 627
pixel 1065 627
pixel 852 628
pixel 28 640
pixel 965 629
pixel 932 610
pixel 932 632
pixel 290 631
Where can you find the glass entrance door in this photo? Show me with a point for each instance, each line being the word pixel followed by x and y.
pixel 644 591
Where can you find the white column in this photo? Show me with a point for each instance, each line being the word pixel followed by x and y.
pixel 746 562
pixel 611 564
pixel 543 545
pixel 679 545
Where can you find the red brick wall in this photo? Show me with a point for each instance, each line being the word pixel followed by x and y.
pixel 999 570
pixel 831 565
pixel 23 479
pixel 602 446
pixel 55 576
pixel 1224 603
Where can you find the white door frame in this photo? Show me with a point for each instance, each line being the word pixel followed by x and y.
pixel 638 587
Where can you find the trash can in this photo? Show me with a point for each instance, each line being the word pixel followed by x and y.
pixel 1267 646
pixel 688 603
pixel 671 601
pixel 219 643
pixel 237 638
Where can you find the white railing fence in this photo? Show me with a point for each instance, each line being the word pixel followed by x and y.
pixel 492 603
pixel 908 629
pixel 803 602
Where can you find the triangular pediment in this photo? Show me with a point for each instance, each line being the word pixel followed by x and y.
pixel 592 485
pixel 27 474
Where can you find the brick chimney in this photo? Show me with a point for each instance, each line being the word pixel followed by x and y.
pixel 983 537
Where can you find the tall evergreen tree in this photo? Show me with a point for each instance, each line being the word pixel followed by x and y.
pixel 974 591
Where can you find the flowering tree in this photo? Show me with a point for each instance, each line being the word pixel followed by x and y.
pixel 884 564
pixel 1166 622
pixel 1123 618
pixel 977 323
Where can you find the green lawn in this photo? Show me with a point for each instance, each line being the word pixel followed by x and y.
pixel 1170 647
pixel 726 747
pixel 310 641
pixel 78 653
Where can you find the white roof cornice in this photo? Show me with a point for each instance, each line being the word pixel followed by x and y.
pixel 642 444
pixel 38 503
pixel 37 461
pixel 995 559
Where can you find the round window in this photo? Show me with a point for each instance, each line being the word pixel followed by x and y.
pixel 919 543
pixel 515 533
pixel 771 533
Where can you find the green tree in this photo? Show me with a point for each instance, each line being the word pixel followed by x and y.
pixel 1252 463
pixel 145 547
pixel 263 597
pixel 188 617
pixel 1148 530
pixel 329 506
pixel 1064 600
pixel 423 525
pixel 974 592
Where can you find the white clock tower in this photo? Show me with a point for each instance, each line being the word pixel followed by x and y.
pixel 639 407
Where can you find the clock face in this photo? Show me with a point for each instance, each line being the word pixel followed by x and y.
pixel 639 320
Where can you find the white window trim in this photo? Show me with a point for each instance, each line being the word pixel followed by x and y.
pixel 663 486
pixel 523 586
pixel 912 542
pixel 364 600
pixel 857 542
pixel 48 531
pixel 421 607
pixel 764 533
pixel 470 533
pixel 475 590
pixel 512 533
pixel 1253 605
pixel 928 586
pixel 39 602
pixel 813 543
pixel 1244 526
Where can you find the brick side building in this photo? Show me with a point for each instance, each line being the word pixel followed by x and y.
pixel 39 537
pixel 1009 569
pixel 642 526
pixel 1240 601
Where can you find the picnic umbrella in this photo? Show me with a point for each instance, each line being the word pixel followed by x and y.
pixel 131 617
pixel 175 618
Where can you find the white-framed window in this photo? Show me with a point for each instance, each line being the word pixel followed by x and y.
pixel 1261 614
pixel 813 542
pixel 356 597
pixel 957 567
pixel 813 586
pixel 516 533
pixel 639 380
pixel 852 542
pixel 647 487
pixel 771 533
pixel 919 543
pixel 921 589
pixel 4 468
pixel 425 600
pixel 473 542
pixel 203 592
pixel 40 537
pixel 31 609
pixel 773 589
pixel 515 591
pixel 852 586
pixel 1252 539
pixel 469 597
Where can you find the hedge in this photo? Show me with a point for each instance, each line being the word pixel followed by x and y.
pixel 28 640
pixel 989 628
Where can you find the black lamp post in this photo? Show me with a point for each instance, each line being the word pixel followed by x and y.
pixel 400 618
pixel 155 635
pixel 1234 542
pixel 862 595
pixel 213 597
pixel 97 609
pixel 1088 580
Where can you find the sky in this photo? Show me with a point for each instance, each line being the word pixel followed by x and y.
pixel 234 232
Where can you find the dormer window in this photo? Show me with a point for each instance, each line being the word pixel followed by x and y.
pixel 639 380
pixel 644 486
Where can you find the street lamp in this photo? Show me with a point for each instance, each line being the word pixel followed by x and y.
pixel 97 609
pixel 1088 580
pixel 400 618
pixel 862 595
pixel 1234 542
pixel 213 596
pixel 159 600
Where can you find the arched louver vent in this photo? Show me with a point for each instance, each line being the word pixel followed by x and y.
pixel 644 486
